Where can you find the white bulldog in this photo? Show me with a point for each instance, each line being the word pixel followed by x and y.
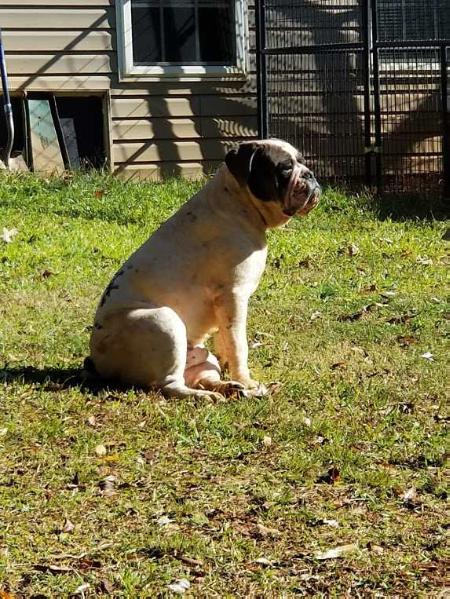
pixel 194 276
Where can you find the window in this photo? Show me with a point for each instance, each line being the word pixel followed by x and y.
pixel 187 39
pixel 412 21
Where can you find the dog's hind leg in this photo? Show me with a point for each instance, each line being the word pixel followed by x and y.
pixel 203 370
pixel 146 347
pixel 190 381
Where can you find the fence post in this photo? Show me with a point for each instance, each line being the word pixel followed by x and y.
pixel 261 67
pixel 376 96
pixel 367 95
pixel 445 121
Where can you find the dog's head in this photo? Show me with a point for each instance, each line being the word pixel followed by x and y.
pixel 274 171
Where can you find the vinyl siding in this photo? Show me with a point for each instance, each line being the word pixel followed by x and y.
pixel 156 128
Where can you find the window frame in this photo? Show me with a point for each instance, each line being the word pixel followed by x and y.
pixel 131 71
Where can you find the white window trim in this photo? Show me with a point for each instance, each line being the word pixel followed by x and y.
pixel 131 72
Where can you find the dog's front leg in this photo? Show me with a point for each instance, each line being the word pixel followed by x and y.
pixel 231 314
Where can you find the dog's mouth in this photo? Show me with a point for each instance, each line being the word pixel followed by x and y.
pixel 311 201
pixel 303 193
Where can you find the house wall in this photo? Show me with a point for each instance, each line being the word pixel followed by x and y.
pixel 70 46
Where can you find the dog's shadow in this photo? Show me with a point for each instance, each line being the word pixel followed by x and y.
pixel 58 379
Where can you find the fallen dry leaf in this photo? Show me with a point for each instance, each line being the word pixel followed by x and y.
pixel 273 387
pixel 359 350
pixel 427 356
pixel 330 477
pixel 306 421
pixel 305 263
pixel 262 532
pixel 92 421
pixel 409 498
pixel 319 440
pixel 114 457
pixel 82 588
pixel 68 526
pixel 315 315
pixel 267 441
pixel 108 485
pixel 341 364
pixel 164 521
pixel 357 315
pixel 106 587
pixel 424 261
pixel 401 319
pixel 189 561
pixel 179 586
pixel 52 568
pixel 263 561
pixel 8 235
pixel 352 250
pixel 332 523
pixel 336 552
pixel 277 262
pixel 369 288
pixel 406 340
pixel 255 344
pixel 100 450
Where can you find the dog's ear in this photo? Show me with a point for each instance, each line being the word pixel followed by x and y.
pixel 239 161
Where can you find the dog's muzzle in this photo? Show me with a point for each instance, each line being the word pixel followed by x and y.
pixel 303 192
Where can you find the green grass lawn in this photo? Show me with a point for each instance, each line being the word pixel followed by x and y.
pixel 106 491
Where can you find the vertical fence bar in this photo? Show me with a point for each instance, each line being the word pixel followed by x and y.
pixel 445 121
pixel 376 96
pixel 261 68
pixel 367 94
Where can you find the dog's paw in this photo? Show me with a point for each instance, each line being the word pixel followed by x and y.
pixel 255 389
pixel 230 388
pixel 211 395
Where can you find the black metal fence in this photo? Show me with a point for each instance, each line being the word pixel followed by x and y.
pixel 360 86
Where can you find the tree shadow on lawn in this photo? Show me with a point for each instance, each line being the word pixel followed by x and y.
pixel 58 379
pixel 410 207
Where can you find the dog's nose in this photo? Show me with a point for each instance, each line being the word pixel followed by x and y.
pixel 311 180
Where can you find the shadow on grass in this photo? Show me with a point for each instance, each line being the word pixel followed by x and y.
pixel 410 207
pixel 58 379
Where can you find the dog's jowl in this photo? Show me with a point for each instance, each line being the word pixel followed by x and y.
pixel 194 276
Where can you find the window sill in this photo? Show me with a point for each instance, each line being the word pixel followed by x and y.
pixel 183 76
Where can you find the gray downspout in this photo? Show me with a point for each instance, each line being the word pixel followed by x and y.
pixel 6 106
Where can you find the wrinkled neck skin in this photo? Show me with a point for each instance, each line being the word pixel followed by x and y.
pixel 258 215
pixel 291 200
